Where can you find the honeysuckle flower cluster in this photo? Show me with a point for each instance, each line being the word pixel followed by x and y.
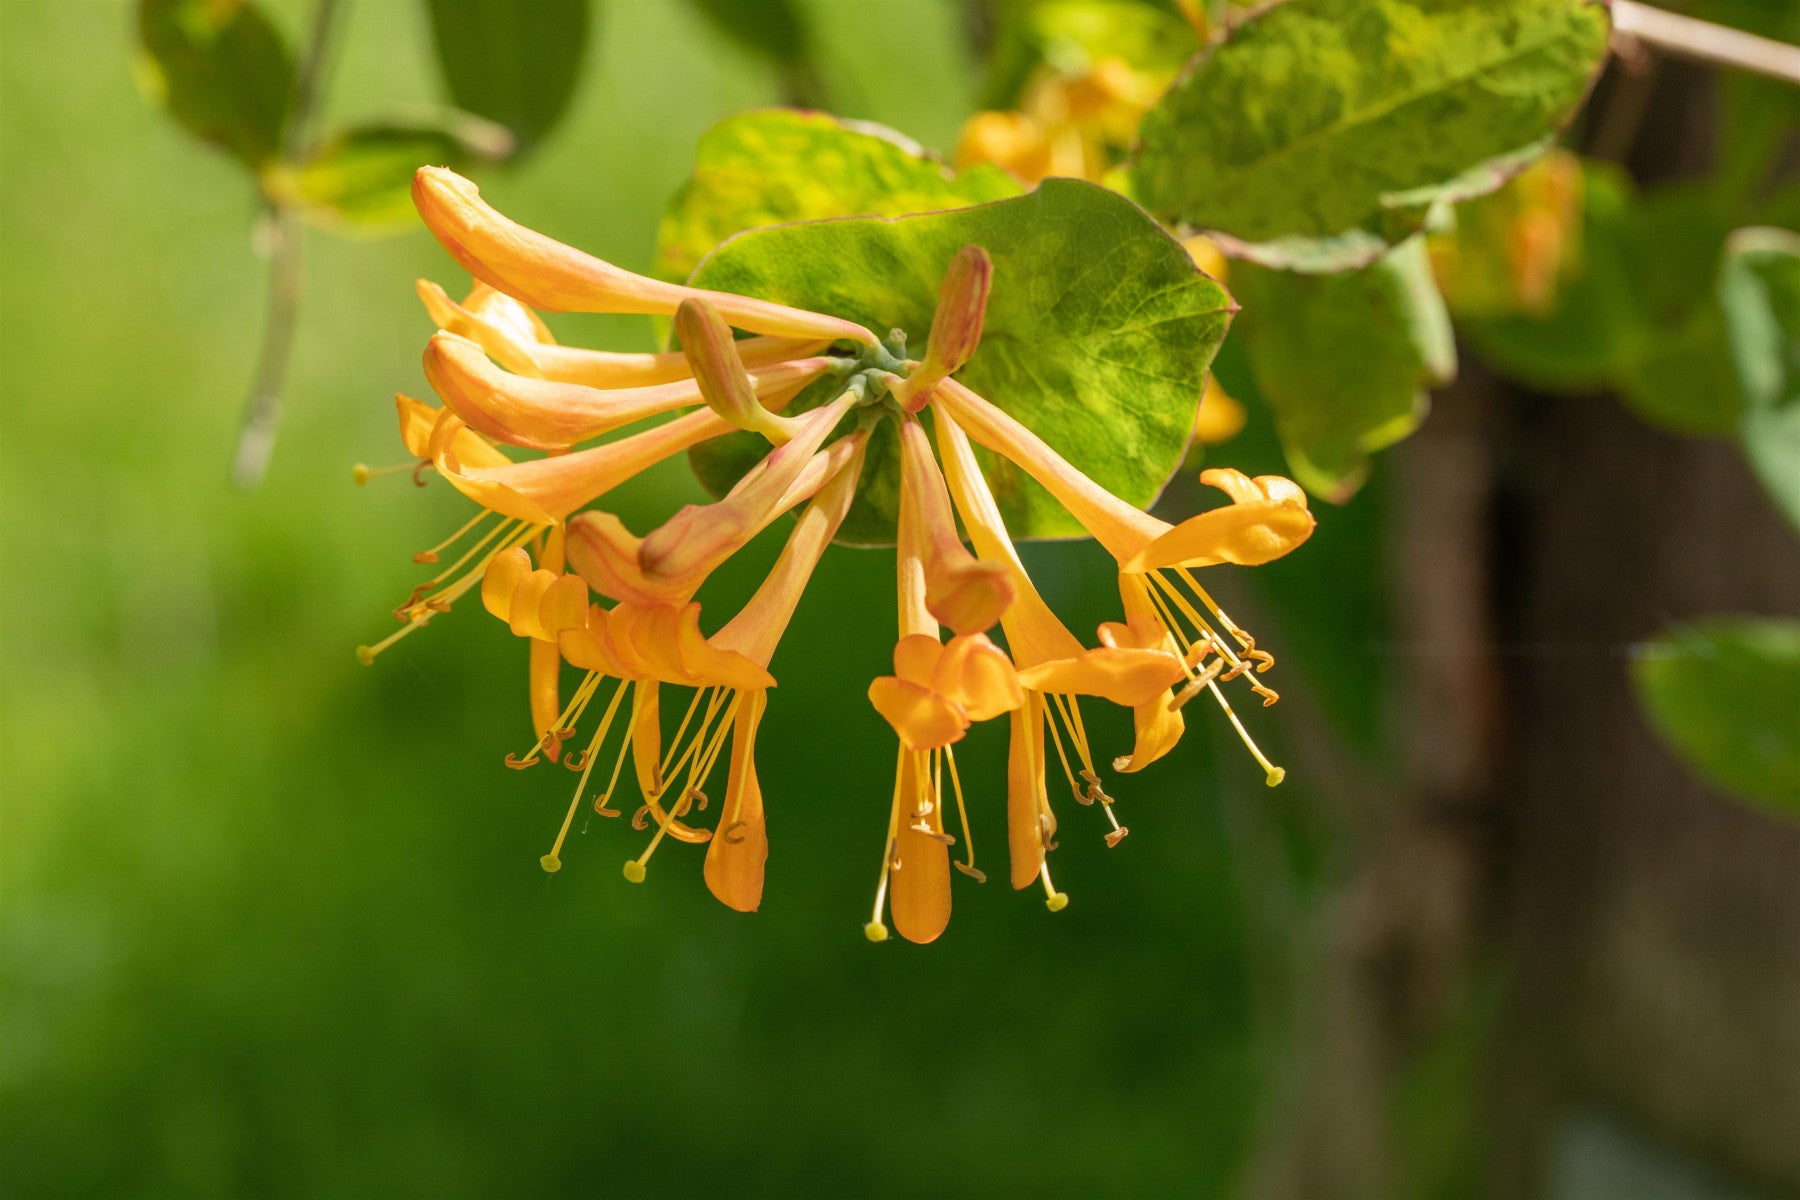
pixel 587 592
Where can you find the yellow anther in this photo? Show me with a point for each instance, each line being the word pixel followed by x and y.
pixel 1274 777
pixel 875 931
pixel 359 474
pixel 550 863
pixel 634 871
pixel 1057 901
pixel 365 655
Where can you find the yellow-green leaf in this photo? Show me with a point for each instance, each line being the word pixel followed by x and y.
pixel 1320 132
pixel 777 166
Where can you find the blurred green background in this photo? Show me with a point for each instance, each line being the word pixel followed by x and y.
pixel 273 922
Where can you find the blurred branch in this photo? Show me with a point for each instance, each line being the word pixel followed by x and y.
pixel 1719 45
pixel 262 408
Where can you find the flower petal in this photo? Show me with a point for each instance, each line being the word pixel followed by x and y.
pixel 546 274
pixel 1123 676
pixel 976 675
pixel 919 887
pixel 923 719
pixel 739 849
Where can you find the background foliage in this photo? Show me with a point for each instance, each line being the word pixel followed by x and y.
pixel 273 923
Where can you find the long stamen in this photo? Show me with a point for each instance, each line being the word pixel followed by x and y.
pixel 361 473
pixel 1274 774
pixel 571 713
pixel 431 555
pixel 1068 771
pixel 670 822
pixel 1054 900
pixel 962 813
pixel 612 784
pixel 552 862
pixel 876 930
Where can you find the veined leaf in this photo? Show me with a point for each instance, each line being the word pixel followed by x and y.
pixel 1344 360
pixel 221 69
pixel 1759 293
pixel 362 177
pixel 513 63
pixel 777 166
pixel 1320 132
pixel 1098 335
pixel 1724 693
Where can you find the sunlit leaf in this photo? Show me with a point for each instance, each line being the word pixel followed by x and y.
pixel 1099 331
pixel 362 178
pixel 1759 293
pixel 1344 360
pixel 513 63
pixel 1726 694
pixel 777 166
pixel 1319 132
pixel 221 69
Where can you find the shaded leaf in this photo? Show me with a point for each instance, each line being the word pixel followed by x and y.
pixel 1098 335
pixel 512 63
pixel 1344 360
pixel 775 28
pixel 362 177
pixel 1759 294
pixel 222 69
pixel 1726 694
pixel 777 166
pixel 1319 132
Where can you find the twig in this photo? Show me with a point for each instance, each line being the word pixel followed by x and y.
pixel 262 407
pixel 1672 33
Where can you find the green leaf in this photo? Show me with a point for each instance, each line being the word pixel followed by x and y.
pixel 1098 335
pixel 778 166
pixel 1344 360
pixel 1320 132
pixel 1759 294
pixel 1675 367
pixel 221 69
pixel 512 63
pixel 362 178
pixel 1725 694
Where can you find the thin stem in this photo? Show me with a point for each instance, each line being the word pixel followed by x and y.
pixel 262 407
pixel 1672 33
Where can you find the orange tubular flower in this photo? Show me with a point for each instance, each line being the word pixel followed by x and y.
pixel 1054 669
pixel 645 646
pixel 542 415
pixel 584 590
pixel 936 692
pixel 546 274
pixel 1268 518
pixel 518 340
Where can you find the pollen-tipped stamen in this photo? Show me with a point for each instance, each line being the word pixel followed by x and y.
pixel 711 743
pixel 948 755
pixel 552 862
pixel 1054 900
pixel 1273 774
pixel 876 930
pixel 561 728
pixel 361 473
